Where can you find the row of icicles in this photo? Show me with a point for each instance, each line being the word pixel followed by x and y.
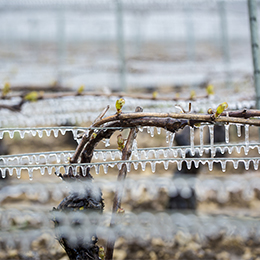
pixel 54 161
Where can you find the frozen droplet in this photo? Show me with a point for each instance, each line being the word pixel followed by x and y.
pixel 192 141
pixel 227 133
pixel 238 130
pixel 201 140
pixel 158 130
pixel 246 139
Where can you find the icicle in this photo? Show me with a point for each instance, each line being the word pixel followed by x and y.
pixel 201 140
pixel 158 130
pixel 104 156
pixel 175 152
pixel 188 163
pixel 34 133
pixel 56 132
pixel 140 128
pixel 1 134
pixel 113 154
pixel 196 163
pixel 75 134
pixel 172 136
pixel 246 163
pixel 143 166
pixel 223 165
pixel 49 170
pixel 211 134
pixel 11 171
pixel 152 131
pixel 135 165
pixel 246 139
pixel 210 165
pixel 96 155
pixel 128 167
pixel 238 149
pixel 30 172
pixel 166 165
pixel 167 136
pixel 192 141
pixel 183 153
pixel 238 130
pixel 235 164
pixel 256 162
pixel 107 142
pixel 63 131
pixel 42 170
pixel 119 166
pixel 48 132
pixel 18 173
pixel 40 133
pixel 165 153
pixel 22 133
pixel 179 165
pixel 105 168
pixel 11 134
pixel 230 149
pixel 227 133
pixel 153 166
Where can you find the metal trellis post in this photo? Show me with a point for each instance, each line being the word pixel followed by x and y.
pixel 120 44
pixel 252 10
